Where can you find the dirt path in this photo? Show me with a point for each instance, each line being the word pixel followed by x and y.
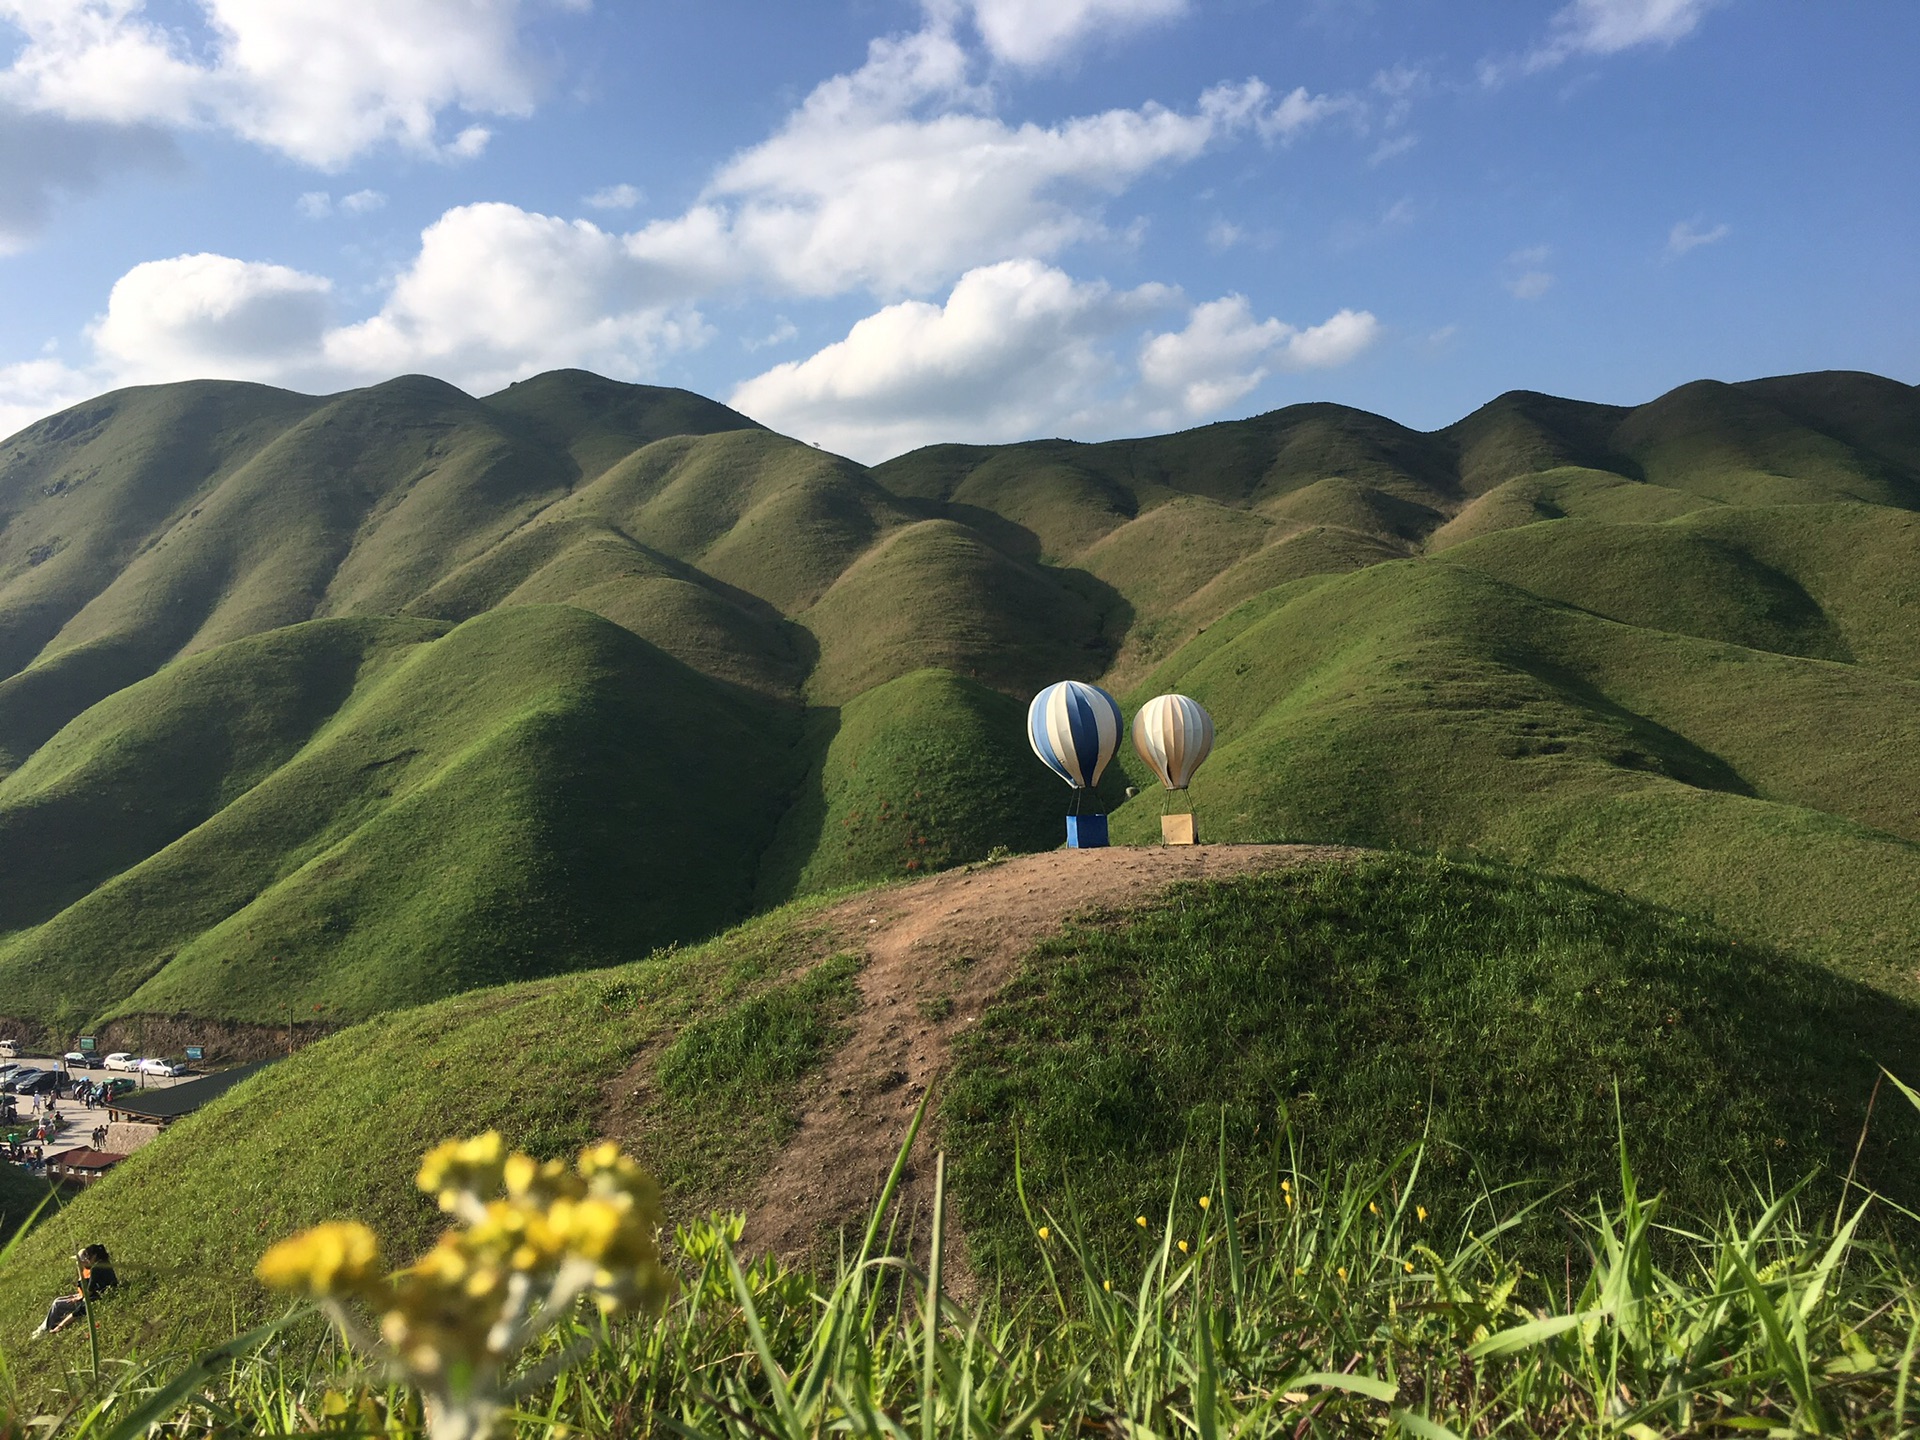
pixel 936 952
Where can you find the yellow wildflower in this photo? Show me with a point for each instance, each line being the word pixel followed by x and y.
pixel 1420 1211
pixel 1407 1265
pixel 1341 1271
pixel 1106 1284
pixel 1372 1209
pixel 1205 1201
pixel 1045 1234
pixel 1141 1221
pixel 338 1258
pixel 1183 1247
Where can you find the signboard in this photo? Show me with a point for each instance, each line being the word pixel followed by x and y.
pixel 196 1053
pixel 86 1044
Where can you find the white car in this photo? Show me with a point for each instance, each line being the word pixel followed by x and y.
pixel 121 1060
pixel 160 1067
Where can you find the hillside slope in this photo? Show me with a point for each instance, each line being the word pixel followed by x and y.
pixel 1669 647
pixel 1374 999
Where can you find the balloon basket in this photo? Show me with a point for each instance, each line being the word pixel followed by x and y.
pixel 1086 832
pixel 1179 830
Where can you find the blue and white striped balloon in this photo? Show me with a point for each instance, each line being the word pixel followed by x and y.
pixel 1074 729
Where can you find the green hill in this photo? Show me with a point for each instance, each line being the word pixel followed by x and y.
pixel 1374 1001
pixel 359 700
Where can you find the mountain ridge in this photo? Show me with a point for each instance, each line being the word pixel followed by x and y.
pixel 1351 596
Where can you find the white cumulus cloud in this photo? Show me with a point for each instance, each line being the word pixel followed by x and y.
pixel 1016 350
pixel 893 179
pixel 1021 349
pixel 212 315
pixel 1035 33
pixel 322 81
pixel 497 292
pixel 1223 353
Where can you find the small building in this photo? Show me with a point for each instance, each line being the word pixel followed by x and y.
pixel 162 1107
pixel 82 1166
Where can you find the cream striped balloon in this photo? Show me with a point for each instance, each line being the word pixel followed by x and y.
pixel 1173 735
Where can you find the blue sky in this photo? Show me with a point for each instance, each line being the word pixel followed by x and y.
pixel 874 224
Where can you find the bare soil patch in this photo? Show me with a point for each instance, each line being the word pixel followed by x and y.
pixel 936 952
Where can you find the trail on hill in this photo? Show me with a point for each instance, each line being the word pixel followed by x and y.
pixel 936 952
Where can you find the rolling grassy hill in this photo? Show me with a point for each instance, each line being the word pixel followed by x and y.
pixel 1370 1003
pixel 356 701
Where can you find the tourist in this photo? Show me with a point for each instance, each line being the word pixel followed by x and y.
pixel 96 1278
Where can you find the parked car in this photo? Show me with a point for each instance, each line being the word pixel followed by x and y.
pixel 43 1082
pixel 120 1060
pixel 156 1066
pixel 20 1082
pixel 8 1071
pixel 9 1049
pixel 119 1085
pixel 78 1060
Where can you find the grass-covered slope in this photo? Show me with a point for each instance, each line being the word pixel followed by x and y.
pixel 1665 646
pixel 1437 705
pixel 338 1128
pixel 533 790
pixel 918 774
pixel 1490 1014
pixel 1491 1011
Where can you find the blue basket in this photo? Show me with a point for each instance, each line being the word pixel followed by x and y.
pixel 1086 832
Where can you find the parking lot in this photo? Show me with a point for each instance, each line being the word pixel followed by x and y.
pixel 79 1121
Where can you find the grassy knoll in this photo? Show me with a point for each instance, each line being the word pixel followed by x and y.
pixel 725 1034
pixel 1489 1012
pixel 517 796
pixel 1431 704
pixel 919 774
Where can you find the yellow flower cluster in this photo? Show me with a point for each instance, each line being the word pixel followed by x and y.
pixel 533 1239
pixel 335 1259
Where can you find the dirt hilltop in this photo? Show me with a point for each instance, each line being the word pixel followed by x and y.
pixel 936 951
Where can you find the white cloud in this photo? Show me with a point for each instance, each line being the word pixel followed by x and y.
pixel 1016 350
pixel 1224 234
pixel 363 202
pixel 783 331
pixel 497 292
pixel 212 315
pixel 1021 349
pixel 320 80
pixel 863 187
pixel 1527 276
pixel 1034 33
pixel 1393 147
pixel 1223 353
pixel 1600 28
pixel 1688 235
pixel 314 205
pixel 34 389
pixel 615 197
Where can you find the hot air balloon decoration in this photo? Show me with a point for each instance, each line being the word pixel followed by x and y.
pixel 1173 734
pixel 1075 728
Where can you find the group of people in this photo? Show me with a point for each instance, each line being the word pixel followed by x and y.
pixel 17 1149
pixel 90 1092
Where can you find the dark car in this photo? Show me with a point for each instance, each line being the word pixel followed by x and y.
pixel 22 1081
pixel 42 1082
pixel 119 1086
